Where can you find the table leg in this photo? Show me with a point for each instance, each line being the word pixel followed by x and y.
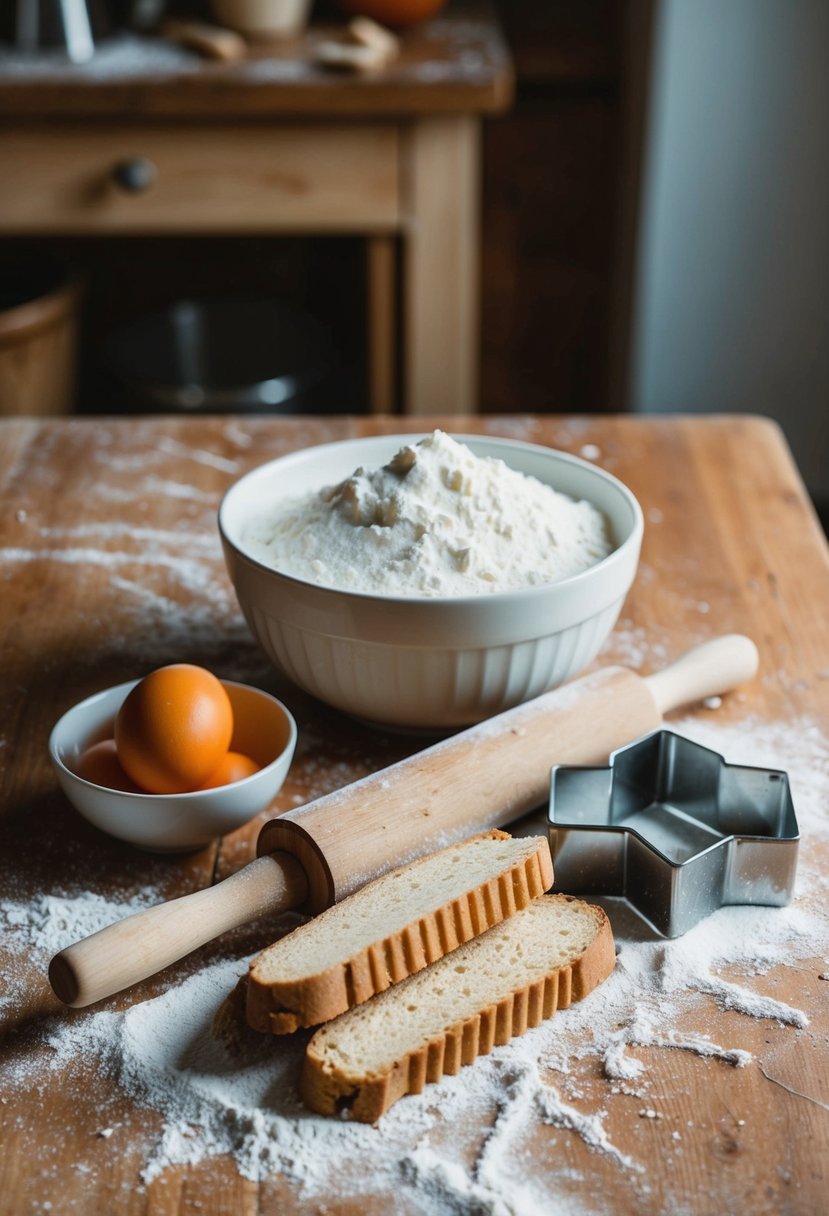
pixel 441 255
pixel 381 289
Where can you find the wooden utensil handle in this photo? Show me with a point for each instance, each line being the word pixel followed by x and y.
pixel 491 774
pixel 138 946
pixel 481 778
pixel 705 671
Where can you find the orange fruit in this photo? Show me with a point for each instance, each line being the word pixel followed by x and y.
pixel 99 764
pixel 234 767
pixel 173 729
pixel 395 13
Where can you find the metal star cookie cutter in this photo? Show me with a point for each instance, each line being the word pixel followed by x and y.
pixel 675 829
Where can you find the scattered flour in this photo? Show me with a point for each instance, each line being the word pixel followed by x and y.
pixel 589 1127
pixel 50 922
pixel 33 931
pixel 148 569
pixel 124 56
pixel 436 520
pixel 242 1101
pixel 165 1053
pixel 617 1065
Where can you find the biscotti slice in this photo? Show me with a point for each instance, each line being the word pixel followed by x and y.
pixel 485 993
pixel 392 927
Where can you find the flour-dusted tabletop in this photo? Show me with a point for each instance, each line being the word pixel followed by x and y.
pixel 458 61
pixel 695 1080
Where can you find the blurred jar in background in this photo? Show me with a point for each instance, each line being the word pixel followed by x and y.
pixel 71 25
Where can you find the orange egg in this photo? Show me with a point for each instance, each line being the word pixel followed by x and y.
pixel 234 767
pixel 173 729
pixel 99 764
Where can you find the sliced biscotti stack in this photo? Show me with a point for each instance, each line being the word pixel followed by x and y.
pixel 394 927
pixel 484 993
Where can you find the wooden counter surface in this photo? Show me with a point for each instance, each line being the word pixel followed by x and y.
pixel 110 566
pixel 456 63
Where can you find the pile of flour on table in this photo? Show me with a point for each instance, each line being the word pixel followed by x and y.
pixel 243 1101
pixel 436 520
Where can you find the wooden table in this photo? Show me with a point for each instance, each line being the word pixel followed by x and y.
pixel 110 566
pixel 276 144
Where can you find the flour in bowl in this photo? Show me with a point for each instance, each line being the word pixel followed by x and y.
pixel 437 520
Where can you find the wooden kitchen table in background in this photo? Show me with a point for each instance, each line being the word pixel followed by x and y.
pixel 110 565
pixel 276 144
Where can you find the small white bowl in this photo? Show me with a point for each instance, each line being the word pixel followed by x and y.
pixel 429 662
pixel 262 729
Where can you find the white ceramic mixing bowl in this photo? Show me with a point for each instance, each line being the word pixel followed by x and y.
pixel 422 662
pixel 262 729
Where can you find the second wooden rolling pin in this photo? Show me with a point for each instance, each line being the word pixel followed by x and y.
pixel 484 777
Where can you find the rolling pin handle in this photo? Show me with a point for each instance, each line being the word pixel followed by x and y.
pixel 709 669
pixel 332 846
pixel 140 945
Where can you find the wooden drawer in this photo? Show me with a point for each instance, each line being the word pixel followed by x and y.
pixel 326 177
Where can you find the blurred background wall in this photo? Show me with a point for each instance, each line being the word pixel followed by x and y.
pixel 730 308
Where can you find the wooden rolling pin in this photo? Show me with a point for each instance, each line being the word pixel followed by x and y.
pixel 484 777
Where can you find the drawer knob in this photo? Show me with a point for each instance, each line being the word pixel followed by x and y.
pixel 134 176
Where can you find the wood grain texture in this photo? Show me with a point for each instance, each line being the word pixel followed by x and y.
pixel 85 972
pixel 110 566
pixel 467 783
pixel 208 179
